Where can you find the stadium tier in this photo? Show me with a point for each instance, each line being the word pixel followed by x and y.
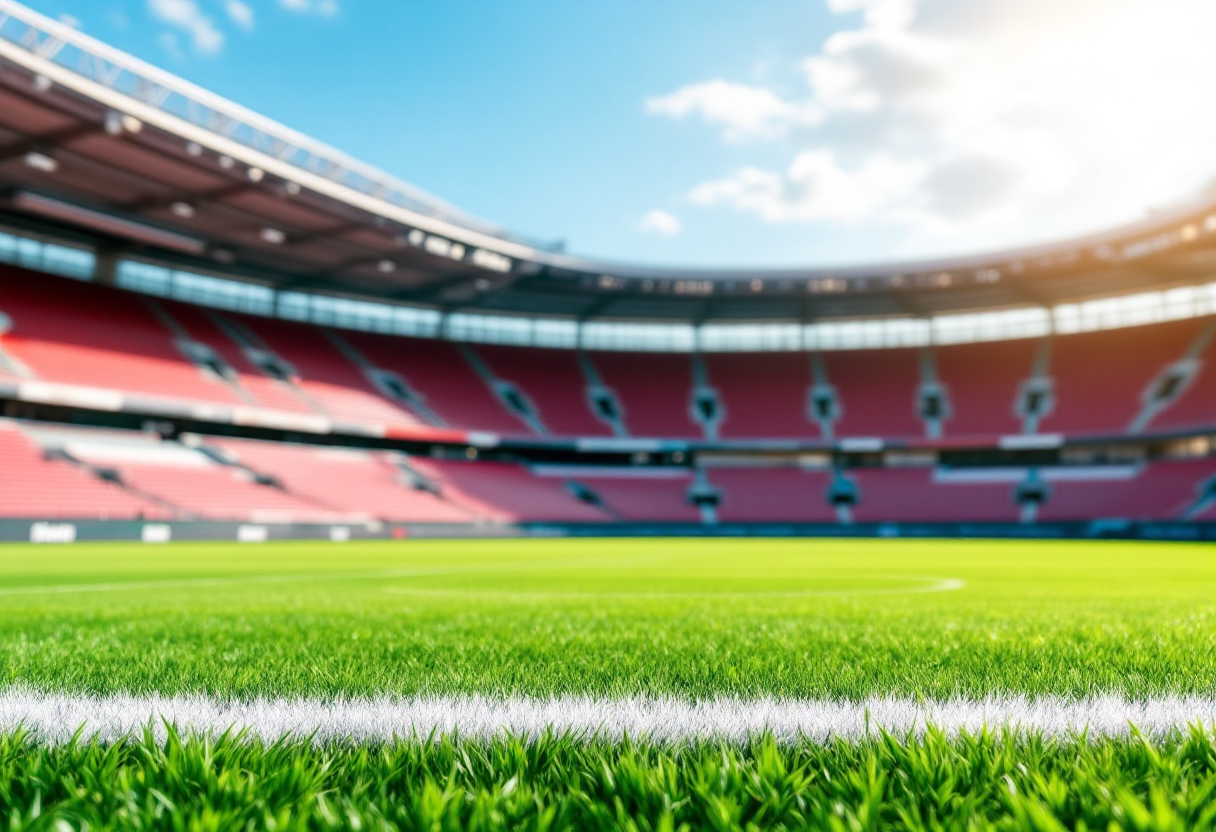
pixel 86 339
pixel 58 471
pixel 78 344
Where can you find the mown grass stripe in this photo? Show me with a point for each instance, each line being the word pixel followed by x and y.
pixel 56 717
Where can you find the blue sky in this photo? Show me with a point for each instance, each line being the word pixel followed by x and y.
pixel 722 133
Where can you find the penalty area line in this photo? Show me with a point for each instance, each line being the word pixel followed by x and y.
pixel 56 718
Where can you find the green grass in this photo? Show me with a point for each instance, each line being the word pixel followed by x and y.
pixel 691 618
pixel 808 618
pixel 557 784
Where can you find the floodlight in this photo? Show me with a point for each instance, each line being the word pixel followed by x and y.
pixel 438 246
pixel 42 162
pixel 119 123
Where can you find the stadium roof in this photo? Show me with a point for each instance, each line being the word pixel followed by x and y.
pixel 136 161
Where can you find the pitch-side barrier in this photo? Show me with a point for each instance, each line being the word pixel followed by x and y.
pixel 65 531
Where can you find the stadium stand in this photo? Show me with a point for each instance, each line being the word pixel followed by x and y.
pixel 73 333
pixel 772 495
pixel 187 480
pixel 763 395
pixel 201 327
pixel 355 483
pixel 505 492
pixel 655 392
pixel 33 485
pixel 877 392
pixel 1158 491
pixel 1194 404
pixel 916 495
pixel 657 496
pixel 221 492
pixel 982 382
pixel 67 472
pixel 442 377
pixel 551 382
pixel 1099 377
pixel 1152 378
pixel 67 332
pixel 322 373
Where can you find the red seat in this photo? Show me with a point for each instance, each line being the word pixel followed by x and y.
pixel 1099 376
pixel 773 495
pixel 34 487
pixel 437 372
pixel 876 391
pixel 911 495
pixel 75 333
pixel 348 481
pixel 982 383
pixel 654 391
pixel 763 394
pixel 553 381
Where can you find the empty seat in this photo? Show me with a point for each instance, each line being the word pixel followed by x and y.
pixel 506 492
pixel 877 392
pixel 75 333
pixel 983 382
pixel 1100 376
pixel 553 383
pixel 654 391
pixel 772 495
pixel 32 486
pixel 763 394
pixel 1159 491
pixel 325 374
pixel 437 371
pixel 353 482
pixel 913 495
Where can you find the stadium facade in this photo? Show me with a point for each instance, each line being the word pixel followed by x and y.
pixel 212 325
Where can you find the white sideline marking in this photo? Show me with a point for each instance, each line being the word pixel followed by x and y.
pixel 56 717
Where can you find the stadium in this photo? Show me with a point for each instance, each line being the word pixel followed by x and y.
pixel 571 543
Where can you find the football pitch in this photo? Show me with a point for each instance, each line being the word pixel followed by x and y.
pixel 617 683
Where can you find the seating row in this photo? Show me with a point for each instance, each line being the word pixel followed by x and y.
pixel 1141 379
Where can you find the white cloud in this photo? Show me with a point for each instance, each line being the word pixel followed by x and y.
pixel 241 14
pixel 660 222
pixel 190 18
pixel 742 111
pixel 324 8
pixel 978 122
pixel 815 187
